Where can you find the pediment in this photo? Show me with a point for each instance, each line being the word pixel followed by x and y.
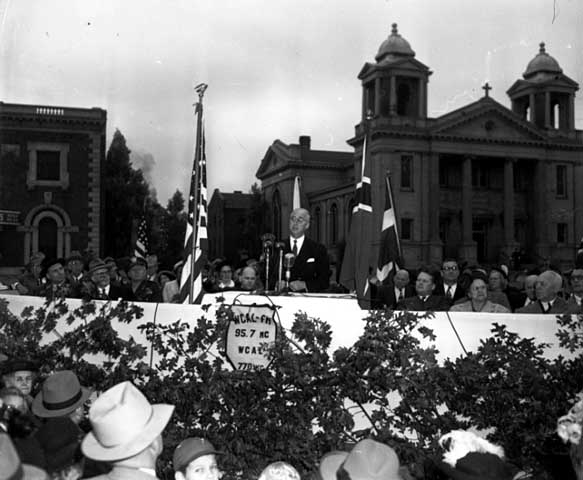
pixel 489 121
pixel 273 159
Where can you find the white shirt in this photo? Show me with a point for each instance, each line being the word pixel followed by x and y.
pixel 451 288
pixel 299 242
pixel 399 293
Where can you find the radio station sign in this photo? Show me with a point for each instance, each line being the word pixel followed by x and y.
pixel 9 217
pixel 251 331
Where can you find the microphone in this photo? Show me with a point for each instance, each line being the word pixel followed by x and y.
pixel 267 239
pixel 288 263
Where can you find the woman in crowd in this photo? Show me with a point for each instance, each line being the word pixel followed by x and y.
pixel 478 298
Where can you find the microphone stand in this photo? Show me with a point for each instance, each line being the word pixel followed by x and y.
pixel 280 246
pixel 267 240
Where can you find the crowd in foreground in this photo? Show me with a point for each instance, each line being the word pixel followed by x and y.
pixel 68 432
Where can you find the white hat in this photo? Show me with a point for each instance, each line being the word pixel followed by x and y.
pixel 124 423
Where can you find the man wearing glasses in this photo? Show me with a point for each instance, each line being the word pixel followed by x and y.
pixel 450 288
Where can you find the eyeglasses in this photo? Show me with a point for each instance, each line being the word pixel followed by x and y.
pixel 577 277
pixel 449 269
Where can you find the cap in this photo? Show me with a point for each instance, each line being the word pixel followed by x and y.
pixel 191 449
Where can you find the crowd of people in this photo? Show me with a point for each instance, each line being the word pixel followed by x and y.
pixel 61 430
pixel 453 287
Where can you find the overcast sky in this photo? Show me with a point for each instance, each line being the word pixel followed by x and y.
pixel 275 69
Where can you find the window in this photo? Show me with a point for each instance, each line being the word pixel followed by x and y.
pixel 317 223
pixel 480 177
pixel 407 172
pixel 47 165
pixel 561 233
pixel 406 228
pixel 333 222
pixel 561 180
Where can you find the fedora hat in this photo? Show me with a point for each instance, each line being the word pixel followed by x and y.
pixel 60 395
pixel 189 450
pixel 134 262
pixel 330 463
pixel 96 265
pixel 19 365
pixel 371 460
pixel 478 466
pixel 11 468
pixel 123 423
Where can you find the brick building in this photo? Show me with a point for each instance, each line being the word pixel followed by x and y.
pixel 51 169
pixel 473 184
pixel 229 225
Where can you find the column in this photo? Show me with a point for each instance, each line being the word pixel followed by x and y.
pixel 468 247
pixel 548 110
pixel 422 92
pixel 532 106
pixel 392 95
pixel 435 253
pixel 510 243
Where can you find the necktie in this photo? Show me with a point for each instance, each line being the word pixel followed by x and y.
pixel 448 293
pixel 401 296
pixel 295 249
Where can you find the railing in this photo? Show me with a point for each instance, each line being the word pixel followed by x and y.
pixel 51 111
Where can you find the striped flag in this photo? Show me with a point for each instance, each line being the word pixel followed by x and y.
pixel 141 247
pixel 390 255
pixel 355 265
pixel 196 239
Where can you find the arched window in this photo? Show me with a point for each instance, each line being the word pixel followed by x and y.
pixel 276 206
pixel 333 224
pixel 316 224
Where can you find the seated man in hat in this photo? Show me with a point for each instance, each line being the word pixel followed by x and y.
pixel 195 459
pixel 141 289
pixel 21 374
pixel 30 282
pixel 100 286
pixel 57 285
pixel 127 431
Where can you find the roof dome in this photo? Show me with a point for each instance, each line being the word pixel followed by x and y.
pixel 542 65
pixel 394 46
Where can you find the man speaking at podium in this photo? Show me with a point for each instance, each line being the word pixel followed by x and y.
pixel 311 270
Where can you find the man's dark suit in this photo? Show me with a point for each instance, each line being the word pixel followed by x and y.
pixel 459 293
pixel 434 303
pixel 559 306
pixel 384 295
pixel 311 265
pixel 116 292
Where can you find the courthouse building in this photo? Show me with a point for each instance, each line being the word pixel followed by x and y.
pixel 473 184
pixel 51 170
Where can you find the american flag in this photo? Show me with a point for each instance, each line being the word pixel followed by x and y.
pixel 355 265
pixel 390 255
pixel 196 239
pixel 141 247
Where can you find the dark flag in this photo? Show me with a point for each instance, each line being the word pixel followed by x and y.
pixel 355 265
pixel 196 239
pixel 141 247
pixel 390 255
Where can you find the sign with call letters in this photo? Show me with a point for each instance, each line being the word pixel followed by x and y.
pixel 251 331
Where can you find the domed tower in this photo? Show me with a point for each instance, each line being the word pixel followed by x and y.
pixel 396 85
pixel 546 96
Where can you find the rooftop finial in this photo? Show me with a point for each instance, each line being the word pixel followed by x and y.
pixel 394 30
pixel 542 47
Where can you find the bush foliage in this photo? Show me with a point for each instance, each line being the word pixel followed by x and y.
pixel 388 385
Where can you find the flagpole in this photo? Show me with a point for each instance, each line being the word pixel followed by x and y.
pixel 199 89
pixel 390 190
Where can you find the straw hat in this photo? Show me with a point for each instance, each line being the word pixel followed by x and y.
pixel 124 423
pixel 60 395
pixel 371 460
